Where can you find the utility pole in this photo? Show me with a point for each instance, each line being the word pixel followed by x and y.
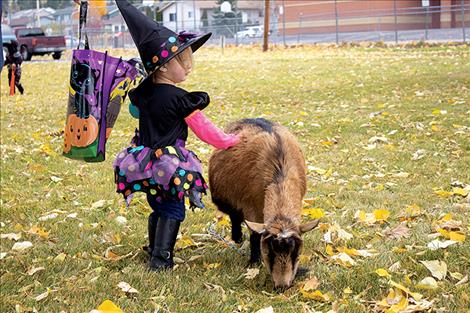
pixel 194 14
pixel 463 20
pixel 176 16
pixel 235 11
pixel 395 15
pixel 38 18
pixel 9 12
pixel 266 25
pixel 336 22
pixel 283 23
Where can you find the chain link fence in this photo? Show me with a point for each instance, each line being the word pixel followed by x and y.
pixel 353 26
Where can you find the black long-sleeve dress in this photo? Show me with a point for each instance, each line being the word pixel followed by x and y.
pixel 157 162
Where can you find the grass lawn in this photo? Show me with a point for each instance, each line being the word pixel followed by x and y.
pixel 386 134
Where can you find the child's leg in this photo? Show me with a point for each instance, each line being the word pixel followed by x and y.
pixel 9 75
pixel 171 214
pixel 17 79
pixel 172 209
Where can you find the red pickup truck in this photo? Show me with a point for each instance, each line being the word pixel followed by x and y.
pixel 33 41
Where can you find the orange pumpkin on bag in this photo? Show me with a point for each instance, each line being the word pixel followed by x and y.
pixel 97 88
pixel 83 131
pixel 67 139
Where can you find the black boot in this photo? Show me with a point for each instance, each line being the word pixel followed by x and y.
pixel 20 88
pixel 165 239
pixel 152 226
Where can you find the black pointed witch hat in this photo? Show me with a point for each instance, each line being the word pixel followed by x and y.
pixel 156 44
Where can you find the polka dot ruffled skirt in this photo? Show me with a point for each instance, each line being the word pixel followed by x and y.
pixel 171 172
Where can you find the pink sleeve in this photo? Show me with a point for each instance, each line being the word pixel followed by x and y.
pixel 208 132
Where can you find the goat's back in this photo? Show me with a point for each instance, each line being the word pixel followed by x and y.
pixel 240 175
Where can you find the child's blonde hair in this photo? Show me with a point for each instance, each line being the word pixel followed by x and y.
pixel 185 59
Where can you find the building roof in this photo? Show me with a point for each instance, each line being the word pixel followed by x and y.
pixel 65 11
pixel 43 12
pixel 116 19
pixel 21 21
pixel 24 17
pixel 113 9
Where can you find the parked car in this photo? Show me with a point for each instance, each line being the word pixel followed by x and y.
pixel 71 42
pixel 251 32
pixel 7 36
pixel 33 41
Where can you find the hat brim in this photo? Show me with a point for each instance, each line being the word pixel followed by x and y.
pixel 194 43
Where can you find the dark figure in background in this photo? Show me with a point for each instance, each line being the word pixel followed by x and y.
pixel 13 60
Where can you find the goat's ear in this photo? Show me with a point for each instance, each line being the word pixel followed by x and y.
pixel 309 226
pixel 256 227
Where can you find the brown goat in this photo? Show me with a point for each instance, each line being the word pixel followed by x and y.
pixel 262 180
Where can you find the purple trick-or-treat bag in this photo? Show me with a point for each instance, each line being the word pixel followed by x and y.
pixel 98 86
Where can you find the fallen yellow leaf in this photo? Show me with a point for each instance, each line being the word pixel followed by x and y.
pixel 310 201
pixel 460 191
pixel 47 149
pixel 382 272
pixel 407 280
pixel 311 284
pixel 185 242
pixel 379 187
pixel 109 307
pixel 446 218
pixel 452 235
pixel 304 259
pixel 348 251
pixel 435 128
pixel 313 213
pixel 415 295
pixel 344 259
pixel 60 257
pixel 437 268
pixel 381 215
pixel 224 221
pixel 315 295
pixel 457 236
pixel 427 283
pixel 443 194
pixel 327 143
pixel 329 250
pixel 211 266
pixel 41 232
pixel 111 255
pixel 401 305
pixel 412 210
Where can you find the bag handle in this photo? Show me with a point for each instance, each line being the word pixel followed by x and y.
pixel 83 13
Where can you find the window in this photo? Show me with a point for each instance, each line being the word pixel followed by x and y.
pixel 190 14
pixel 172 17
pixel 29 32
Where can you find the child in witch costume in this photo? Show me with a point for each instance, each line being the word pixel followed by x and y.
pixel 157 162
pixel 13 60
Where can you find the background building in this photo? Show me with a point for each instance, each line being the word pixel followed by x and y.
pixel 364 15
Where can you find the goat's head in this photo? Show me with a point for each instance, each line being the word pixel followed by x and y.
pixel 281 245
